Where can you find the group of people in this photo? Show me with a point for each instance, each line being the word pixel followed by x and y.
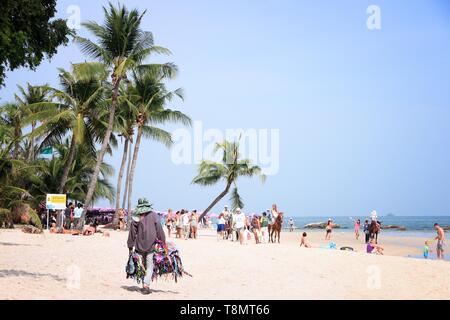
pixel 184 223
pixel 239 227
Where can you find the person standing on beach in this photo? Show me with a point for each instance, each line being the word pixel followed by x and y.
pixel 357 227
pixel 68 213
pixel 291 224
pixel 77 214
pixel 329 229
pixel 194 224
pixel 256 228
pixel 185 223
pixel 178 224
pixel 169 221
pixel 264 228
pixel 220 226
pixel 239 224
pixel 145 229
pixel 366 230
pixel 440 241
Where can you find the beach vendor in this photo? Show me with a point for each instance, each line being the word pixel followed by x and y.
pixel 440 241
pixel 145 229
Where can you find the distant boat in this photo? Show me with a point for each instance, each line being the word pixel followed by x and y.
pixel 390 215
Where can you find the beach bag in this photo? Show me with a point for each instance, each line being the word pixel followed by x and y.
pixel 135 268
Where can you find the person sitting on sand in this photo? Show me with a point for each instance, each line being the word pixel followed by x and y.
pixel 304 241
pixel 440 241
pixel 89 231
pixel 374 248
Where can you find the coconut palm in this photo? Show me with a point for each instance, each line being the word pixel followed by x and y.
pixel 148 97
pixel 47 178
pixel 12 115
pixel 78 108
pixel 229 170
pixel 29 101
pixel 122 45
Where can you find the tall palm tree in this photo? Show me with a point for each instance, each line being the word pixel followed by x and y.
pixel 229 170
pixel 79 107
pixel 29 101
pixel 122 45
pixel 148 97
pixel 12 115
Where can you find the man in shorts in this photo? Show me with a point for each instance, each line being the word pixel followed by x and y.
pixel 440 241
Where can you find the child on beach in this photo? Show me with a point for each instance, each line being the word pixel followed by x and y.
pixel 426 250
pixel 373 248
pixel 304 242
pixel 220 226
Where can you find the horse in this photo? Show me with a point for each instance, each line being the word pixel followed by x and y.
pixel 275 228
pixel 374 229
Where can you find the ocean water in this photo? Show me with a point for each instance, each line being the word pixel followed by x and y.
pixel 417 226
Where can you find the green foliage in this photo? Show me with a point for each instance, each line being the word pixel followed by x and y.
pixel 5 218
pixel 27 33
pixel 34 219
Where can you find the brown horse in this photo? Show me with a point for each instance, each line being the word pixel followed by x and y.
pixel 275 228
pixel 374 228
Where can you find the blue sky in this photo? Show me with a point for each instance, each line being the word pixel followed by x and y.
pixel 363 114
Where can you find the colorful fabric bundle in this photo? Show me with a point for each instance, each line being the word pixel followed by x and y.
pixel 135 268
pixel 167 262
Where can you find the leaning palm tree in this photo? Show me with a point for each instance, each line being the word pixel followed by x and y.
pixel 122 45
pixel 148 97
pixel 231 167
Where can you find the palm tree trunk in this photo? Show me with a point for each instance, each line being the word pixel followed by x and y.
pixel 69 162
pixel 30 156
pixel 101 155
pixel 119 182
pixel 219 197
pixel 125 193
pixel 17 135
pixel 132 170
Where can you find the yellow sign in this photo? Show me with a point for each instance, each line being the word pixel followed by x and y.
pixel 56 201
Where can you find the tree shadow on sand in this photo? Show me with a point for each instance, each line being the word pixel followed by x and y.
pixel 22 273
pixel 138 289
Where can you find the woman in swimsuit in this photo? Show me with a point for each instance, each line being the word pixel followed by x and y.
pixel 329 228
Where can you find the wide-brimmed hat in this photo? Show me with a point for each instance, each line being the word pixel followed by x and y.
pixel 143 207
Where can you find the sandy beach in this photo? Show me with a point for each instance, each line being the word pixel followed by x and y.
pixel 54 266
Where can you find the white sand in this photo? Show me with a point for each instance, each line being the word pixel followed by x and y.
pixel 46 267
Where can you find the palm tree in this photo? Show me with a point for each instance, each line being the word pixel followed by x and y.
pixel 122 45
pixel 12 115
pixel 29 101
pixel 148 97
pixel 48 177
pixel 78 107
pixel 229 170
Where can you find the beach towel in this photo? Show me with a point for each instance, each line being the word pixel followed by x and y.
pixel 167 262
